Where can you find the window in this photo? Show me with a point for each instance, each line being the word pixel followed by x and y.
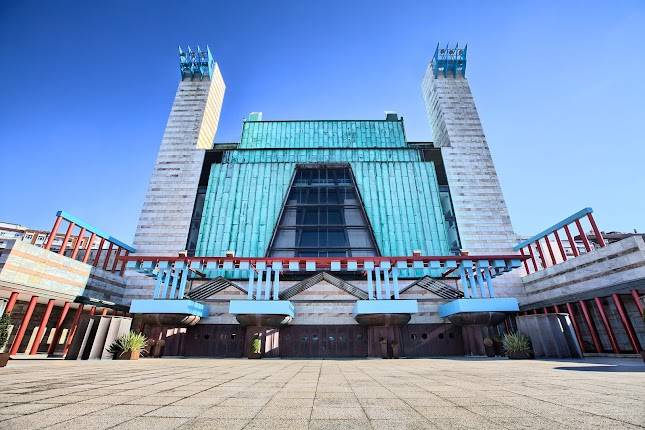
pixel 323 216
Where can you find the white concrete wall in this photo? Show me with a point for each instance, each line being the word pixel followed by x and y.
pixel 167 210
pixel 480 209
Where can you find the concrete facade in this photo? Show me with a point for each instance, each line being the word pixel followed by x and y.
pixel 167 210
pixel 480 209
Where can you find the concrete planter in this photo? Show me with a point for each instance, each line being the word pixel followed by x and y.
pixel 129 355
pixel 518 355
pixel 4 359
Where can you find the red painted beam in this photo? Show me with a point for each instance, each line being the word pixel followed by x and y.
pixel 23 325
pixel 596 231
pixel 557 308
pixel 72 330
pixel 116 259
pixel 98 253
pixel 13 297
pixel 546 311
pixel 107 256
pixel 576 328
pixel 582 234
pixel 551 254
pixel 526 266
pixel 77 245
pixel 59 328
pixel 541 254
pixel 605 323
pixel 572 243
pixel 560 246
pixel 591 326
pixel 88 248
pixel 42 327
pixel 92 311
pixel 124 262
pixel 533 258
pixel 637 301
pixel 624 318
pixel 52 234
pixel 105 311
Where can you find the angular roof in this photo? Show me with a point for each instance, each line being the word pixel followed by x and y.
pixel 319 277
pixel 206 290
pixel 436 287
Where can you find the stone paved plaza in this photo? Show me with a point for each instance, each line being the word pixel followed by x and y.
pixel 316 394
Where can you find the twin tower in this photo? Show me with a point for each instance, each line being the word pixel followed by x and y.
pixel 479 207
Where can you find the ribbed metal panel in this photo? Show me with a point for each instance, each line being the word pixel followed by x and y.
pixel 437 287
pixel 328 155
pixel 241 207
pixel 402 202
pixel 322 134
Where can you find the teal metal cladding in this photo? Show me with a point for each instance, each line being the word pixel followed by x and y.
pixel 322 134
pixel 246 192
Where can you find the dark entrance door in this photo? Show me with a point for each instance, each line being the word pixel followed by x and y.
pixel 334 341
pixel 425 340
pixel 214 341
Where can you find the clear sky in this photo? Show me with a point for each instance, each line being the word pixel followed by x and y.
pixel 86 88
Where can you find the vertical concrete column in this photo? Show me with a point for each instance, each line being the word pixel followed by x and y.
pixel 68 233
pixel 13 297
pixel 42 327
pixel 58 329
pixel 23 325
pixel 52 234
pixel 77 245
pixel 88 248
pixel 250 288
pixel 379 287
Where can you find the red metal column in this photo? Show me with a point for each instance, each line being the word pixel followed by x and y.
pixel 78 243
pixel 23 325
pixel 535 311
pixel 72 330
pixel 59 327
pixel 11 303
pixel 107 257
pixel 551 254
pixel 526 265
pixel 52 234
pixel 635 296
pixel 624 318
pixel 557 308
pixel 533 258
pixel 583 236
pixel 557 239
pixel 576 328
pixel 104 313
pixel 116 259
pixel 92 311
pixel 592 328
pixel 605 322
pixel 596 232
pixel 546 311
pixel 540 253
pixel 88 247
pixel 42 327
pixel 98 253
pixel 68 233
pixel 128 253
pixel 572 243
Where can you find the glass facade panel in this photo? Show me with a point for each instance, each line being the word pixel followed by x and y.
pixel 322 217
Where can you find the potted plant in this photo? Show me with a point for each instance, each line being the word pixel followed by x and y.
pixel 517 346
pixel 256 348
pixel 489 346
pixel 129 346
pixel 5 321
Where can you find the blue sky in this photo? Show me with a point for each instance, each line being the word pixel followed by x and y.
pixel 87 88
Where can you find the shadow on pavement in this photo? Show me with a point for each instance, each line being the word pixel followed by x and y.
pixel 617 368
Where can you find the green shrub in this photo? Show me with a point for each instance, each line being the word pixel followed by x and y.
pixel 516 343
pixel 5 321
pixel 256 345
pixel 129 342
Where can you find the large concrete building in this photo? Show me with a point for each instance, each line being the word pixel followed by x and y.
pixel 328 238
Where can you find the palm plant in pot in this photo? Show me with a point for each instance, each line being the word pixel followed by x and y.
pixel 5 321
pixel 256 348
pixel 517 346
pixel 129 346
